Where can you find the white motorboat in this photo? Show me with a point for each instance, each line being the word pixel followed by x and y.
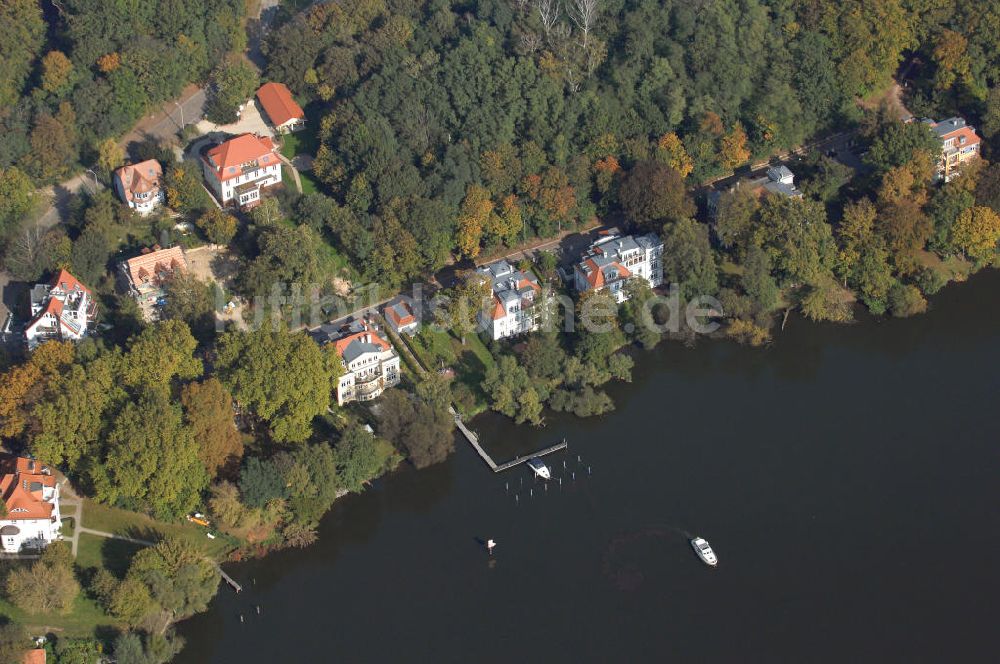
pixel 704 551
pixel 540 468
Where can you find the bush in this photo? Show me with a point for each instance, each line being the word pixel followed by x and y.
pixel 906 300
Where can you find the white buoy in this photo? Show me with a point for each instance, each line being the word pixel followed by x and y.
pixel 489 546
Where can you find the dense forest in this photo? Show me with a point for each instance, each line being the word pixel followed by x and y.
pixel 459 126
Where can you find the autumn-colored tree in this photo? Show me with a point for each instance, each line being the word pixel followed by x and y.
pixel 218 227
pixel 605 171
pixel 501 169
pixel 110 155
pixel 15 385
pixel 856 230
pixel 208 410
pixel 670 150
pixel 906 230
pixel 52 148
pixel 952 59
pixel 976 232
pixel 473 218
pixel 160 353
pixel 733 148
pixel 56 71
pixel 653 194
pixel 711 123
pixel 508 223
pixel 553 193
pixel 109 62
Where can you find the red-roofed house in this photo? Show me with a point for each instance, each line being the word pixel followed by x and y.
pixel 400 316
pixel 147 274
pixel 140 185
pixel 61 309
pixel 285 115
pixel 30 495
pixel 238 169
pixel 371 364
pixel 959 145
pixel 613 260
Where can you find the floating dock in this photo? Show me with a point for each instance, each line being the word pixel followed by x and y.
pixel 498 468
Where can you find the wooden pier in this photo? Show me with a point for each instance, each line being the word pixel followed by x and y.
pixel 498 468
pixel 228 579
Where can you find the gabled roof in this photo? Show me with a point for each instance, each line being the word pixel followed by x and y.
pixel 227 158
pixel 67 283
pixel 400 313
pixel 21 487
pixel 152 263
pixel 140 178
pixel 278 103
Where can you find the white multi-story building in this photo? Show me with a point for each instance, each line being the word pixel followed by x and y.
pixel 31 497
pixel 612 260
pixel 959 146
pixel 515 307
pixel 61 309
pixel 140 186
pixel 370 362
pixel 240 168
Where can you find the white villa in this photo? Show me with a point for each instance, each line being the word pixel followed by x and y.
pixel 959 146
pixel 31 498
pixel 515 307
pixel 61 309
pixel 140 186
pixel 240 168
pixel 370 362
pixel 612 260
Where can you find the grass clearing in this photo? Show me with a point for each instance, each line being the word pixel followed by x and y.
pixel 139 526
pixel 85 618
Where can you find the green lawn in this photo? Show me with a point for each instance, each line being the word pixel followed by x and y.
pixel 310 185
pixel 300 142
pixel 111 554
pixel 82 621
pixel 139 526
pixel 470 362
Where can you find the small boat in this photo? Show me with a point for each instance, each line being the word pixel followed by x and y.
pixel 540 468
pixel 704 551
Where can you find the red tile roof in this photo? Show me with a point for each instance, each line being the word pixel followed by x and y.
pixel 278 103
pixel 344 342
pixel 36 656
pixel 140 178
pixel 401 320
pixel 150 264
pixel 66 282
pixel 227 158
pixel 21 488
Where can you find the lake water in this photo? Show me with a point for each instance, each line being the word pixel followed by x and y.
pixel 847 477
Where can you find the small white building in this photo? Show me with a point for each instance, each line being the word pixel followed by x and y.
pixel 240 168
pixel 515 307
pixel 61 309
pixel 612 260
pixel 370 363
pixel 31 498
pixel 140 186
pixel 400 315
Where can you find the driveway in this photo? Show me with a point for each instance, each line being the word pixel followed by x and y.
pixel 251 121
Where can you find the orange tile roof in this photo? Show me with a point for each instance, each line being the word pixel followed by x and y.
pixel 401 320
pixel 498 310
pixel 150 264
pixel 344 342
pixel 36 656
pixel 21 489
pixel 971 137
pixel 227 158
pixel 140 178
pixel 66 282
pixel 278 103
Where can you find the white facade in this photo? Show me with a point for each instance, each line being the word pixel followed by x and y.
pixel 62 310
pixel 515 307
pixel 237 170
pixel 31 496
pixel 612 260
pixel 140 186
pixel 370 363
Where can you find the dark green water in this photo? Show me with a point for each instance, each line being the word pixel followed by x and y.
pixel 846 477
